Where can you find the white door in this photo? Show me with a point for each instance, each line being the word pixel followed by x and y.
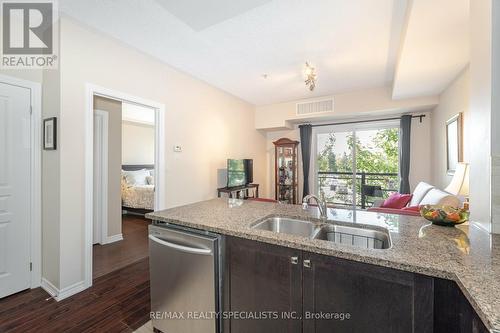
pixel 14 189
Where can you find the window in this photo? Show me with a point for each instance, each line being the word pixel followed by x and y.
pixel 354 166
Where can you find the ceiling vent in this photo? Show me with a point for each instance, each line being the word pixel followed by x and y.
pixel 315 107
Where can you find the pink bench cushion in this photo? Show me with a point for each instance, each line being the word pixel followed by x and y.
pixel 409 212
pixel 412 209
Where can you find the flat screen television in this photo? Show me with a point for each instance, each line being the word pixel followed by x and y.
pixel 239 172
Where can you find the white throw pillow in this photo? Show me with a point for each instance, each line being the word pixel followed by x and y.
pixel 419 193
pixel 150 180
pixel 440 198
pixel 137 177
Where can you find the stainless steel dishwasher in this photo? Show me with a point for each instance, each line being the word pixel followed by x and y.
pixel 185 275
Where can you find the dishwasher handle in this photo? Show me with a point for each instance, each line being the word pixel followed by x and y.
pixel 182 248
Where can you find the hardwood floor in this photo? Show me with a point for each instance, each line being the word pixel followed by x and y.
pixel 117 302
pixel 133 247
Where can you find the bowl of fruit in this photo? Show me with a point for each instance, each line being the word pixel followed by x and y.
pixel 444 215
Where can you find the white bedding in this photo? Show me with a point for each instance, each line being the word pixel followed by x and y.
pixel 138 196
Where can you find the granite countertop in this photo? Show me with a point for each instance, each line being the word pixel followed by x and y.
pixel 466 254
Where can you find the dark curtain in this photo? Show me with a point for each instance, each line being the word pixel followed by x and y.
pixel 305 146
pixel 404 153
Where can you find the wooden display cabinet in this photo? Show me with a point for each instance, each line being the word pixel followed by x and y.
pixel 286 169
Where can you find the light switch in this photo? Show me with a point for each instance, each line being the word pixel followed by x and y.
pixel 177 149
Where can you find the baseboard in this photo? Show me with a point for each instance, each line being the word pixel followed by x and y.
pixel 49 287
pixel 59 295
pixel 70 290
pixel 114 238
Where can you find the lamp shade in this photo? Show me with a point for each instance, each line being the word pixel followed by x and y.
pixel 459 184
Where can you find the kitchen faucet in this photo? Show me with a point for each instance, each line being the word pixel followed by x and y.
pixel 323 210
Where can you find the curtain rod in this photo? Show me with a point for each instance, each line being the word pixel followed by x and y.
pixel 420 116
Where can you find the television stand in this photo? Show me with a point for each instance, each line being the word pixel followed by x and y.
pixel 236 189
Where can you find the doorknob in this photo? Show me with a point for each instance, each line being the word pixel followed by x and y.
pixel 307 263
pixel 294 260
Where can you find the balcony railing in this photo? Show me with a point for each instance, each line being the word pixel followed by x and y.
pixel 361 189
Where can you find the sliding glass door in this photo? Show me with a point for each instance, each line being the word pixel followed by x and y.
pixel 357 165
pixel 335 167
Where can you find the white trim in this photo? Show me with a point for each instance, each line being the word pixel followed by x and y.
pixel 49 287
pixel 102 162
pixel 35 174
pixel 70 290
pixel 59 295
pixel 160 158
pixel 160 161
pixel 112 239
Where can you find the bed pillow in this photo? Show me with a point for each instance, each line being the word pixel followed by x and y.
pixel 136 177
pixel 396 200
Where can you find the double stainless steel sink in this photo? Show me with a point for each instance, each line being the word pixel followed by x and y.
pixel 360 235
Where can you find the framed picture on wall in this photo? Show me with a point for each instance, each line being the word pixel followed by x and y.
pixel 454 144
pixel 50 133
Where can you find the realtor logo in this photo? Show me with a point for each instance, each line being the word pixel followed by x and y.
pixel 28 34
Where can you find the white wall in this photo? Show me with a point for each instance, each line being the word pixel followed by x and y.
pixel 453 100
pixel 420 153
pixel 365 103
pixel 420 161
pixel 51 107
pixel 138 143
pixel 495 117
pixel 480 111
pixel 208 123
pixel 34 75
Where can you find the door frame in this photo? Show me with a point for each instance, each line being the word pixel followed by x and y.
pixel 160 160
pixel 102 161
pixel 35 175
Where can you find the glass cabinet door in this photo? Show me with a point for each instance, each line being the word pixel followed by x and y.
pixel 286 171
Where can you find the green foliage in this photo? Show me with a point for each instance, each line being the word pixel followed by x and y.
pixel 381 155
pixel 327 160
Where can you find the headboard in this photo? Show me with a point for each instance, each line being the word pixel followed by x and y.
pixel 134 167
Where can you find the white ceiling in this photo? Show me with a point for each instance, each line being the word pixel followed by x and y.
pixel 435 47
pixel 231 43
pixel 203 14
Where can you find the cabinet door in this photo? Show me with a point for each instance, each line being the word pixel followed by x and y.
pixel 452 310
pixel 376 299
pixel 261 278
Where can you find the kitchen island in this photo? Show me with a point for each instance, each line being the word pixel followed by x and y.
pixel 464 254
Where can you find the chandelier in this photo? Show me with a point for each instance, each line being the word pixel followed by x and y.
pixel 310 76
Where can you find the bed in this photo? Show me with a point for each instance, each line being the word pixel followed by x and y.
pixel 138 188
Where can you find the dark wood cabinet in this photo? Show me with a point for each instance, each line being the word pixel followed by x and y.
pixel 263 278
pixel 452 310
pixel 336 295
pixel 364 298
